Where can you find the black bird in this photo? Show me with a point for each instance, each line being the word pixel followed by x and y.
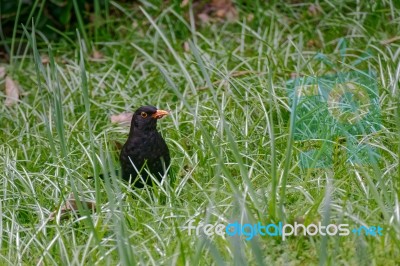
pixel 145 149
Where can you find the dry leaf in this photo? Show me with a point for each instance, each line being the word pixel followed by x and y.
pixel 184 3
pixel 71 206
pixel 2 72
pixel 204 18
pixel 123 118
pixel 45 59
pixel 224 9
pixel 314 10
pixel 218 9
pixel 12 92
pixel 186 48
pixel 243 72
pixel 389 41
pixel 97 55
pixel 313 44
pixel 295 75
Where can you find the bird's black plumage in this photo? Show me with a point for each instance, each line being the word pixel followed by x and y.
pixel 145 148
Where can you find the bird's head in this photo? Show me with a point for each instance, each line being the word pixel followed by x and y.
pixel 145 118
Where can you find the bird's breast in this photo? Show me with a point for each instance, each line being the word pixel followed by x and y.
pixel 144 147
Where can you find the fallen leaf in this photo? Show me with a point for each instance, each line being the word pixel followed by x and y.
pixel 45 59
pixel 123 118
pixel 204 18
pixel 97 55
pixel 313 44
pixel 71 206
pixel 389 41
pixel 295 75
pixel 217 9
pixel 243 72
pixel 2 72
pixel 12 92
pixel 186 48
pixel 184 3
pixel 224 9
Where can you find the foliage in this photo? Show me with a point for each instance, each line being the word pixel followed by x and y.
pixel 230 134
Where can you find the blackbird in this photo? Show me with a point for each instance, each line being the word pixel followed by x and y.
pixel 145 149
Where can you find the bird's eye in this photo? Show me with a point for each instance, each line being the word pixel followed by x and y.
pixel 143 114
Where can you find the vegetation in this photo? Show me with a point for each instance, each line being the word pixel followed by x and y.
pixel 230 132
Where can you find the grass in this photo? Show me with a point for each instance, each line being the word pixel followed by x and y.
pixel 231 136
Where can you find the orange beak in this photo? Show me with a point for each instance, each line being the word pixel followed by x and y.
pixel 159 114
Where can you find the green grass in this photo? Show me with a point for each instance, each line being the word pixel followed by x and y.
pixel 230 133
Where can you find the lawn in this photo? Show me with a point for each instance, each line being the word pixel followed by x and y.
pixel 237 135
